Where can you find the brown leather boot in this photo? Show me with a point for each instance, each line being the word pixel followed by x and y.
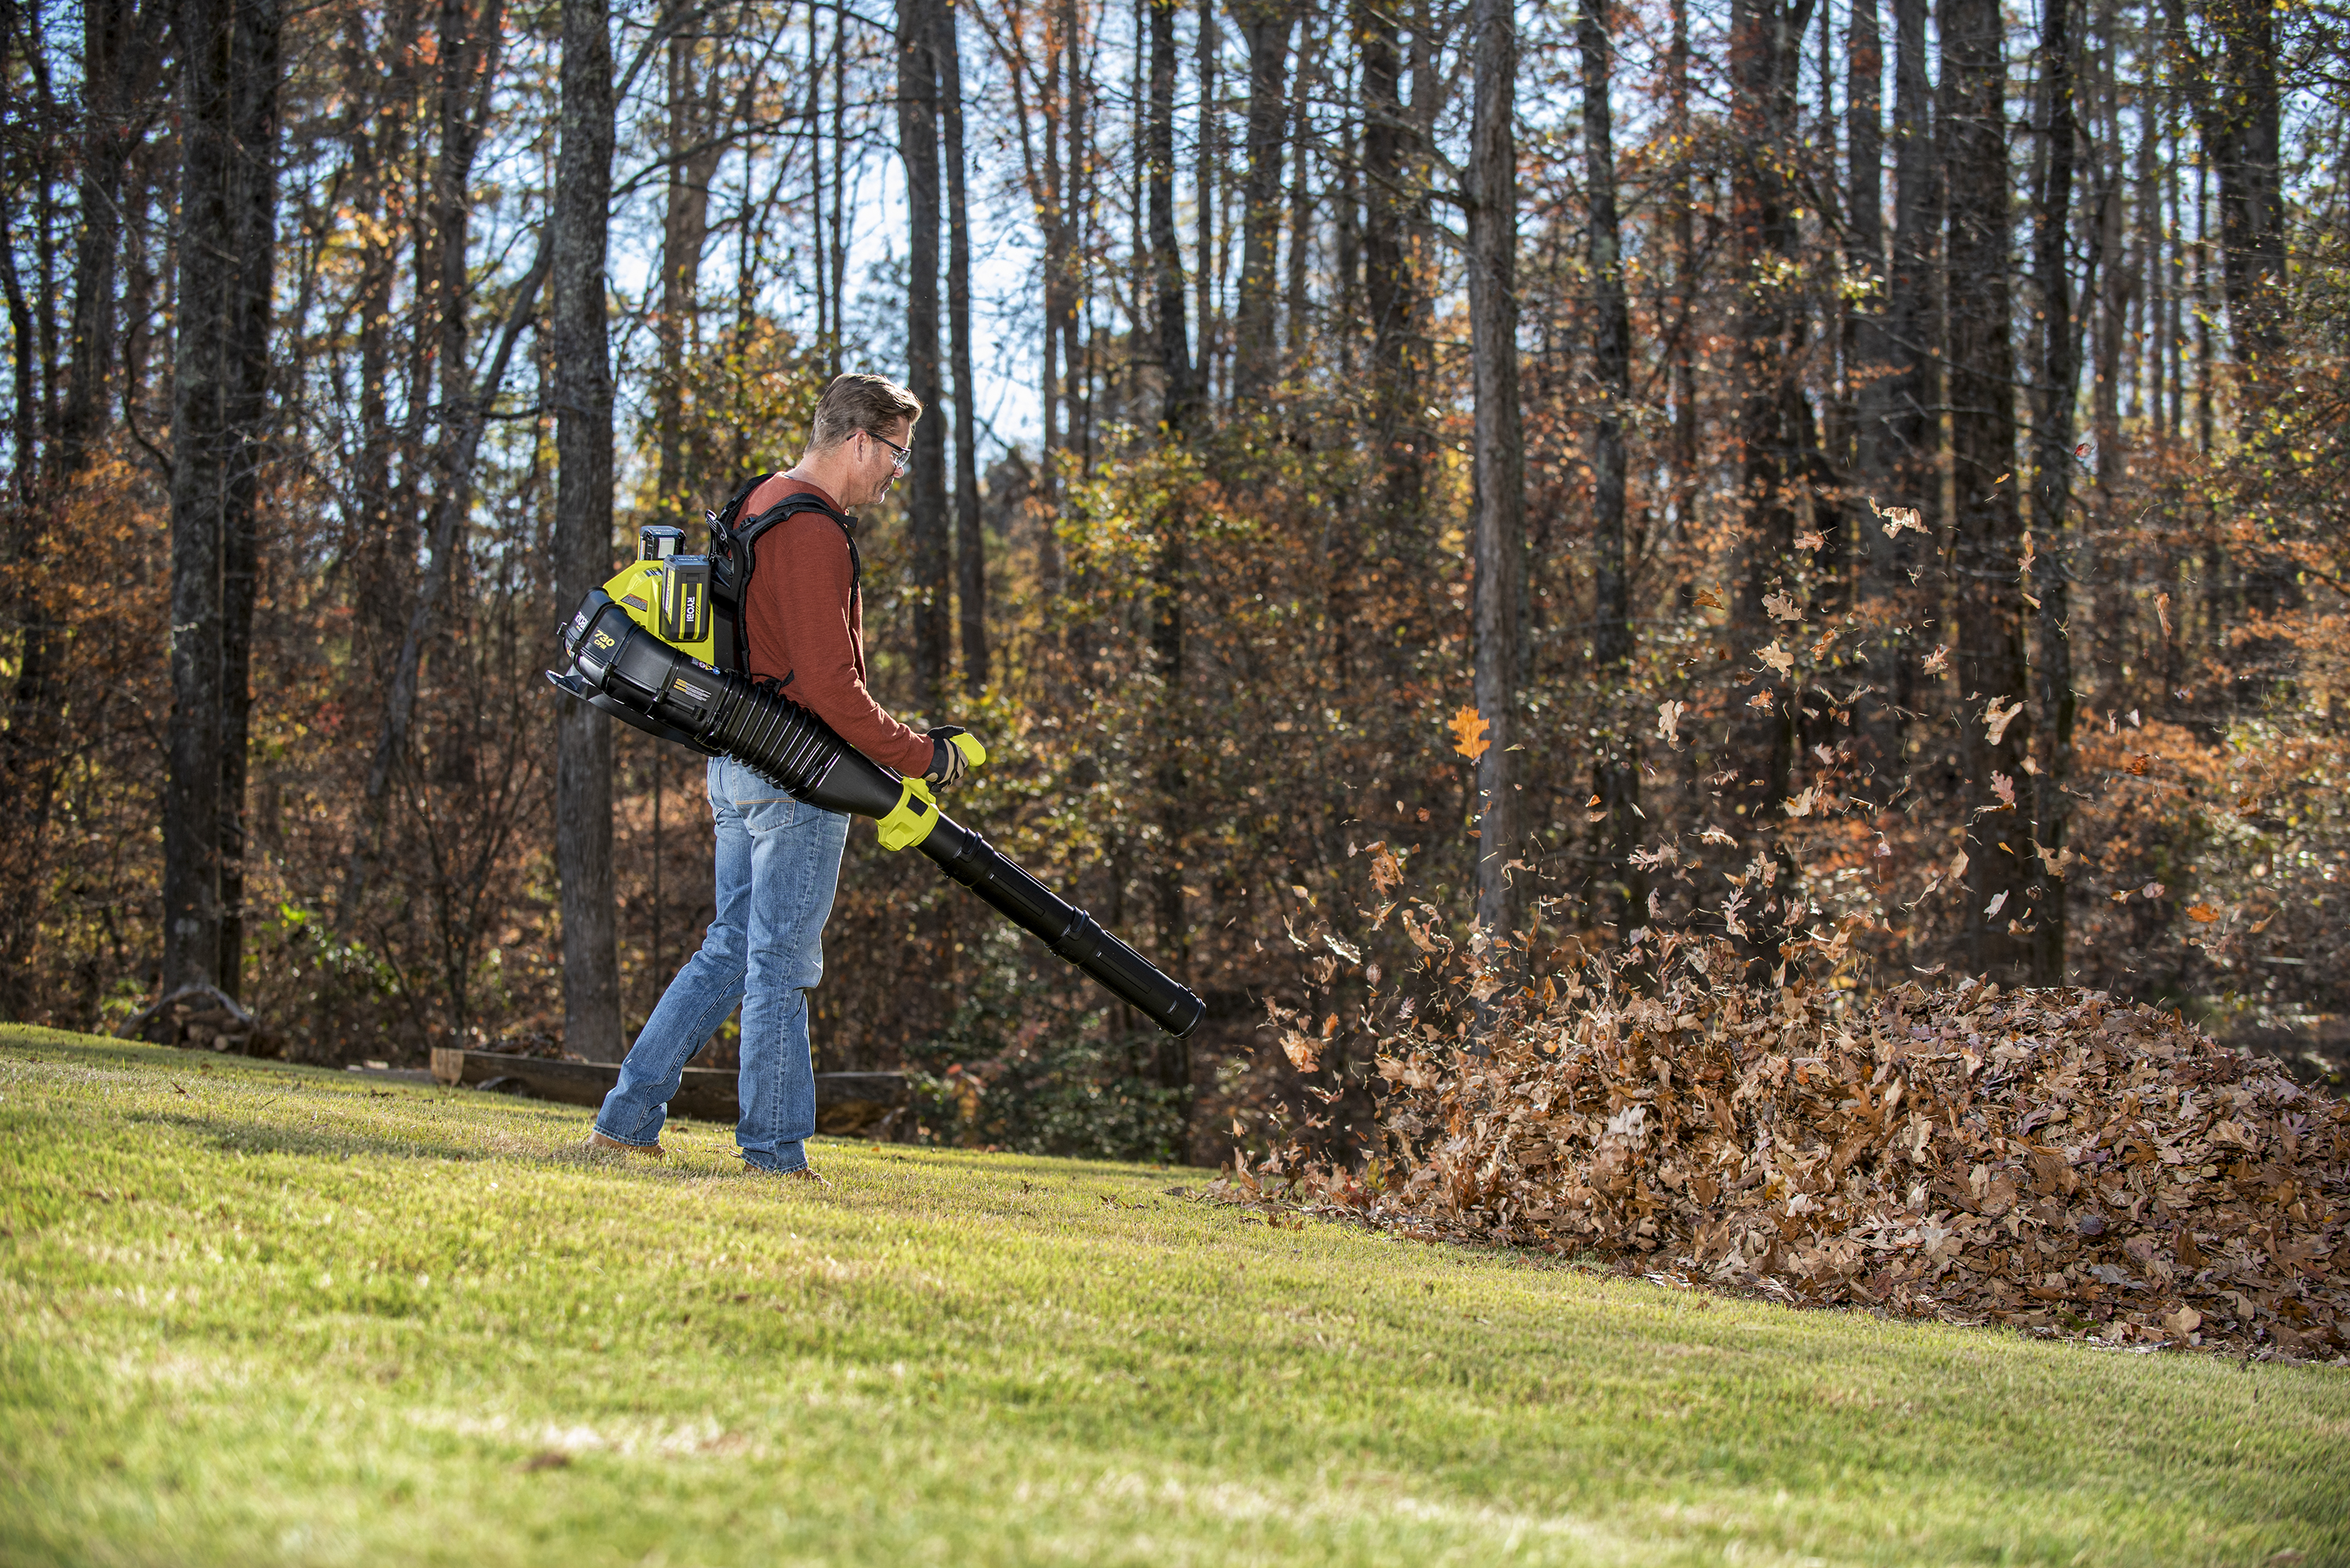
pixel 596 1140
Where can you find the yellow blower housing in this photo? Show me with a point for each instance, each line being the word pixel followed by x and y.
pixel 669 595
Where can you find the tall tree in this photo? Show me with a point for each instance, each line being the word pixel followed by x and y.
pixel 1298 311
pixel 1386 273
pixel 2113 301
pixel 969 547
pixel 1166 254
pixel 692 90
pixel 1681 215
pixel 919 26
pixel 228 77
pixel 1208 160
pixel 1765 45
pixel 2056 390
pixel 1989 661
pixel 1498 542
pixel 1617 769
pixel 583 523
pixel 1900 423
pixel 1052 217
pixel 1077 196
pixel 1865 345
pixel 123 56
pixel 254 107
pixel 1180 412
pixel 1266 26
pixel 2233 77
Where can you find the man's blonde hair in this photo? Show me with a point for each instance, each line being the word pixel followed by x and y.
pixel 854 403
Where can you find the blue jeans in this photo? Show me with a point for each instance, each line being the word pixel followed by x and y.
pixel 779 861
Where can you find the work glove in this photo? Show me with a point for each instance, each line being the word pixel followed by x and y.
pixel 954 752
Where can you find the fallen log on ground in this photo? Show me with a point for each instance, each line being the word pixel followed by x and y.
pixel 845 1103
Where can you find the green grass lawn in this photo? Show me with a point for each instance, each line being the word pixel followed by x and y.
pixel 259 1313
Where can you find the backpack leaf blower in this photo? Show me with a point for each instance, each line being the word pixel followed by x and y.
pixel 630 644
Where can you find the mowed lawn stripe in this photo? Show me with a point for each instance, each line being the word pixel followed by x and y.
pixel 256 1312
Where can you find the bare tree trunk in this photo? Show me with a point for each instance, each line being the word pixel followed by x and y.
pixel 1617 769
pixel 1051 217
pixel 2052 461
pixel 839 186
pixel 685 227
pixel 1902 426
pixel 1991 659
pixel 1500 536
pixel 970 546
pixel 123 53
pixel 1764 49
pixel 1208 170
pixel 1167 256
pixel 1387 274
pixel 1076 385
pixel 1871 351
pixel 2204 308
pixel 200 443
pixel 2147 270
pixel 1301 196
pixel 2241 117
pixel 1179 410
pixel 1685 280
pixel 258 72
pixel 583 525
pixel 228 206
pixel 2174 339
pixel 1865 346
pixel 926 486
pixel 25 409
pixel 2113 312
pixel 1348 290
pixel 1266 25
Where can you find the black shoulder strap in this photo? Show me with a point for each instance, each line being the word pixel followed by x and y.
pixel 742 537
pixel 721 522
pixel 746 534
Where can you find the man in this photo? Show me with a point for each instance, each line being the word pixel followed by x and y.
pixel 778 859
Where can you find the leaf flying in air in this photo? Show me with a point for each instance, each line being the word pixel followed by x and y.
pixel 1468 733
pixel 1669 718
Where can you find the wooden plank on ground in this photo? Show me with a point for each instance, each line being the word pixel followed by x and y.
pixel 845 1102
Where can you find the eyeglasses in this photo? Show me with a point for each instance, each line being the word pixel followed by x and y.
pixel 905 458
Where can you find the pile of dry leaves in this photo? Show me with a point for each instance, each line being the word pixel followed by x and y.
pixel 2051 1159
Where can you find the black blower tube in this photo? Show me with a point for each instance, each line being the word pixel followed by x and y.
pixel 620 668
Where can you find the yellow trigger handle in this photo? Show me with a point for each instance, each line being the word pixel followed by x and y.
pixel 917 811
pixel 910 820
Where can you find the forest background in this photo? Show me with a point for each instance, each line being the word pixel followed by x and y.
pixel 1871 481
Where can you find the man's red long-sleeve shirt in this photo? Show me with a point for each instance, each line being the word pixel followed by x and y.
pixel 807 626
